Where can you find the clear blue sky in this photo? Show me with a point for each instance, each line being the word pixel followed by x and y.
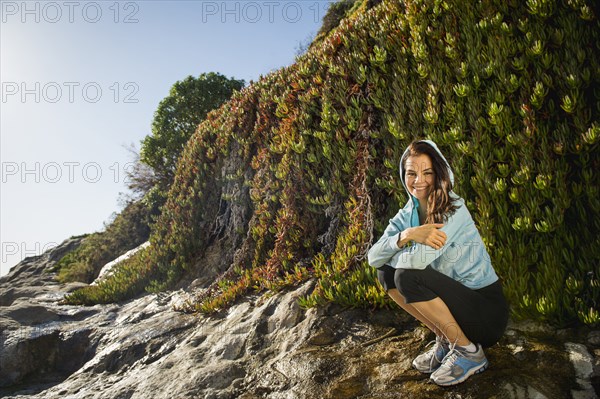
pixel 82 79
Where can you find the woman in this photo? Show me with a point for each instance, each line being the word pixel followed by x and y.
pixel 432 261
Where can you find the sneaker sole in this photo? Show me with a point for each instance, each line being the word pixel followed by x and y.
pixel 424 371
pixel 462 378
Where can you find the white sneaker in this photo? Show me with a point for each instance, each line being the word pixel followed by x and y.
pixel 458 365
pixel 429 361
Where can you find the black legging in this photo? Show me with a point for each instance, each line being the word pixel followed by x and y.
pixel 482 314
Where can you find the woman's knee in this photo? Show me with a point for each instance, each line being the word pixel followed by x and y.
pixel 406 279
pixel 381 278
pixel 398 298
pixel 385 275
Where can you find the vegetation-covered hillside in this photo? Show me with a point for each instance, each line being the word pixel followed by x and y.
pixel 297 174
pixel 128 229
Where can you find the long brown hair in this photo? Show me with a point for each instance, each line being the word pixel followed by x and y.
pixel 440 205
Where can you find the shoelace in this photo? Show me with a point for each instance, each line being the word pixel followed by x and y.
pixel 451 356
pixel 436 341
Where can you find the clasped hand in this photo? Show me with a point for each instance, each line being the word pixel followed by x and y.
pixel 427 234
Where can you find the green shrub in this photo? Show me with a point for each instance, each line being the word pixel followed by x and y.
pixel 128 279
pixel 335 13
pixel 508 90
pixel 128 229
pixel 177 117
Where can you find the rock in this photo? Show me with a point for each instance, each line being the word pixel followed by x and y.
pixel 107 268
pixel 593 338
pixel 29 314
pixel 34 271
pixel 529 326
pixel 8 296
pixel 263 347
pixel 39 352
pixel 583 363
pixel 513 391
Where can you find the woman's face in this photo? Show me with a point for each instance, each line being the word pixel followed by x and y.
pixel 419 176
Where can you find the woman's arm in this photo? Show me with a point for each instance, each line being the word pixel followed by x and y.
pixel 388 245
pixel 427 234
pixel 399 236
pixel 424 251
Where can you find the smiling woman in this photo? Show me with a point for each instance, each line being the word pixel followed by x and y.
pixel 426 264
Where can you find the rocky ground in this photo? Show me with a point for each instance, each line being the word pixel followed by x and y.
pixel 264 347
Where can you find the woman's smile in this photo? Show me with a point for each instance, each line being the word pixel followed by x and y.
pixel 420 190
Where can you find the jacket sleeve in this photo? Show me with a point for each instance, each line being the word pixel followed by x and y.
pixel 387 246
pixel 419 256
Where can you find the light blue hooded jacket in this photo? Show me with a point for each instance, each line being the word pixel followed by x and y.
pixel 463 257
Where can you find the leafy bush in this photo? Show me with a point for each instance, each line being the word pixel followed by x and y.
pixel 129 229
pixel 508 90
pixel 178 115
pixel 335 13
